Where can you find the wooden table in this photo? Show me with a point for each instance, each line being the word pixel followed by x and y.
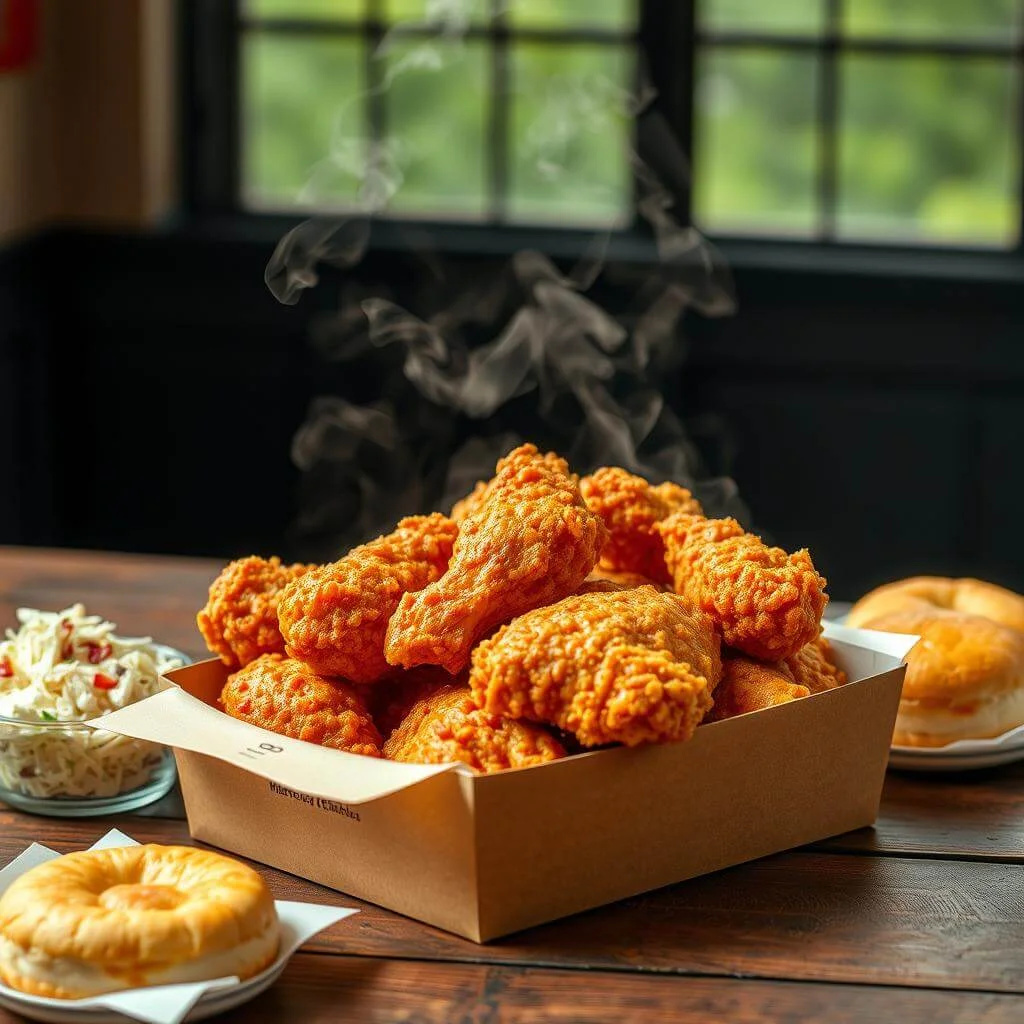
pixel 918 919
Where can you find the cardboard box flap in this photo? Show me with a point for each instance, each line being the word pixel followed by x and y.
pixel 175 718
pixel 892 646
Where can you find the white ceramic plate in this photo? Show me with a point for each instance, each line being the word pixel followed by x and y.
pixel 212 1002
pixel 938 762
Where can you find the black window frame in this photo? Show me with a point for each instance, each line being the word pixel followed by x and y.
pixel 667 30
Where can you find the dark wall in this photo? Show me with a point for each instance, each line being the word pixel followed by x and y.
pixel 27 512
pixel 878 421
pixel 150 388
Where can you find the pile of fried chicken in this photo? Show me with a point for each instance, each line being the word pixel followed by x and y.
pixel 545 615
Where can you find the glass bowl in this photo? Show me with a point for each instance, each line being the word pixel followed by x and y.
pixel 56 768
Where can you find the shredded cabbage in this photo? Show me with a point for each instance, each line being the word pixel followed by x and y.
pixel 69 667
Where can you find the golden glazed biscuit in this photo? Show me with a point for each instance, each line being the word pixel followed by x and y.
pixel 106 920
pixel 965 596
pixel 964 678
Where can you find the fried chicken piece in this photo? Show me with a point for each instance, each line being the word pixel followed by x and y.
pixel 632 666
pixel 284 696
pixel 814 666
pixel 239 622
pixel 749 685
pixel 630 507
pixel 391 699
pixel 448 726
pixel 531 541
pixel 766 602
pixel 335 617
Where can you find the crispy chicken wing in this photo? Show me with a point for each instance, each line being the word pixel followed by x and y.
pixel 531 541
pixel 239 622
pixel 285 697
pixel 766 602
pixel 448 726
pixel 814 666
pixel 335 617
pixel 631 666
pixel 630 507
pixel 749 685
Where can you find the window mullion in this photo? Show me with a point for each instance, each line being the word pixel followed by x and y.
pixel 376 109
pixel 667 42
pixel 498 147
pixel 1019 65
pixel 828 121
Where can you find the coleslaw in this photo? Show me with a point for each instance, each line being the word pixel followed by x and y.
pixel 65 667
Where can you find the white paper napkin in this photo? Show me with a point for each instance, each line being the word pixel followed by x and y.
pixel 168 1004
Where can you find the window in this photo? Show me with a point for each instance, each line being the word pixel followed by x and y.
pixel 838 121
pixel 449 109
pixel 860 119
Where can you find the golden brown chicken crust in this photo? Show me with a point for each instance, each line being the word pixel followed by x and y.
pixel 748 685
pixel 632 666
pixel 447 726
pixel 239 621
pixel 284 696
pixel 335 618
pixel 766 602
pixel 630 507
pixel 531 541
pixel 814 666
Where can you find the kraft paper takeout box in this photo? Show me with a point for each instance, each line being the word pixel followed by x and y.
pixel 485 855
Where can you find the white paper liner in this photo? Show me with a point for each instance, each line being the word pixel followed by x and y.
pixel 167 1004
pixel 176 718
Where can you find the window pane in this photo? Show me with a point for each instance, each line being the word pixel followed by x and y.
pixel 438 11
pixel 803 17
pixel 437 107
pixel 303 128
pixel 929 149
pixel 936 19
pixel 755 144
pixel 611 14
pixel 571 134
pixel 344 10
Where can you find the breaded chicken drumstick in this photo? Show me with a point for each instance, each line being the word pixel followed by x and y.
pixel 531 541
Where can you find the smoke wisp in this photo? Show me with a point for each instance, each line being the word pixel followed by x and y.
pixel 529 351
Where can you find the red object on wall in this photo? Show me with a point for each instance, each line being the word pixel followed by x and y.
pixel 19 33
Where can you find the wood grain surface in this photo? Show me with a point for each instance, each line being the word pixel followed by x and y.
pixel 918 919
pixel 795 916
pixel 964 815
pixel 321 989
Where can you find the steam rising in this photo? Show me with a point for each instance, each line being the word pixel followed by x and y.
pixel 530 352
